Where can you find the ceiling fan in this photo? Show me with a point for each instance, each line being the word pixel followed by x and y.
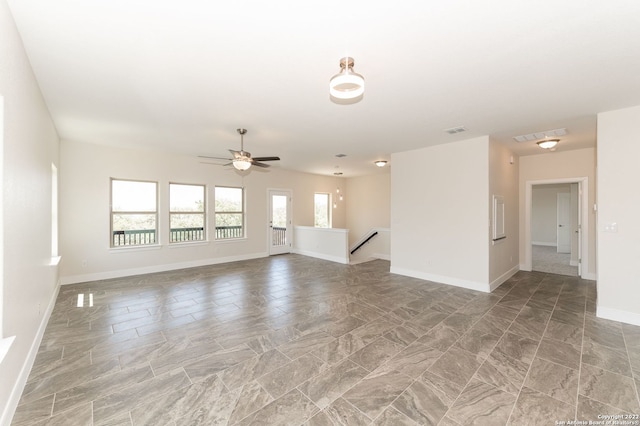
pixel 242 159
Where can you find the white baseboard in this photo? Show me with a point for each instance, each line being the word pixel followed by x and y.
pixel 632 318
pixel 504 277
pixel 338 259
pixel 18 387
pixel 589 276
pixel 544 243
pixel 74 279
pixel 523 267
pixel 382 256
pixel 471 285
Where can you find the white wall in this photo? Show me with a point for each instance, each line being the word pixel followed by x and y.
pixel 503 180
pixel 379 247
pixel 544 213
pixel 323 243
pixel 368 204
pixel 440 213
pixel 561 165
pixel 29 282
pixel 85 175
pixel 619 202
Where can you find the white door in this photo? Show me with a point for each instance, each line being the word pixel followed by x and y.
pixel 279 221
pixel 564 223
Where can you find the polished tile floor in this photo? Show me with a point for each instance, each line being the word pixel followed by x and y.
pixel 295 340
pixel 547 259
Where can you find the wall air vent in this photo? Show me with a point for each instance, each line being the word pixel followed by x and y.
pixel 454 130
pixel 541 135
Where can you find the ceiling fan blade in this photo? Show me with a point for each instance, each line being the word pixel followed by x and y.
pixel 266 158
pixel 214 158
pixel 258 164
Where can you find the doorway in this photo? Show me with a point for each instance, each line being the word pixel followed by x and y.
pixel 556 226
pixel 279 230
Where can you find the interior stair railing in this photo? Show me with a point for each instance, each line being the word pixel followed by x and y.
pixel 365 241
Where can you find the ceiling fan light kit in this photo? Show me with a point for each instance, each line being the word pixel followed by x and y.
pixel 242 159
pixel 242 164
pixel 347 84
pixel 548 143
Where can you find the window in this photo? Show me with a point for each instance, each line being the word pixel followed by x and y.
pixel 322 203
pixel 229 214
pixel 134 213
pixel 54 210
pixel 186 212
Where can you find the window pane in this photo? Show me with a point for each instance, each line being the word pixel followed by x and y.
pixel 229 225
pixel 279 213
pixel 129 196
pixel 187 227
pixel 228 199
pixel 322 218
pixel 228 219
pixel 186 198
pixel 128 222
pixel 133 229
pixel 187 221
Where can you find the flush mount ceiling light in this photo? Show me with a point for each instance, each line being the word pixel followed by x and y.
pixel 347 84
pixel 380 163
pixel 548 143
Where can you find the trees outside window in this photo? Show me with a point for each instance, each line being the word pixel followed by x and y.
pixel 187 214
pixel 229 212
pixel 322 204
pixel 134 212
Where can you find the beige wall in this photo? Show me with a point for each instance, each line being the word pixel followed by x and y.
pixel 368 204
pixel 619 202
pixel 544 213
pixel 440 212
pixel 29 281
pixel 84 201
pixel 561 165
pixel 503 180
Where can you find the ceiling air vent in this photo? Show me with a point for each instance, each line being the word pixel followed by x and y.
pixel 540 135
pixel 454 130
pixel 341 155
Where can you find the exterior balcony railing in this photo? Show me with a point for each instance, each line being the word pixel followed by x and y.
pixel 279 237
pixel 138 237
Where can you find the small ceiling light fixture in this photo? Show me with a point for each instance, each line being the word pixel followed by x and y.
pixel 347 84
pixel 242 163
pixel 380 163
pixel 548 143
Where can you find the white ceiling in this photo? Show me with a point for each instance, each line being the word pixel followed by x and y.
pixel 182 76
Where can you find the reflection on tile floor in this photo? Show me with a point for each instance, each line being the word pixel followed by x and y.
pixel 295 340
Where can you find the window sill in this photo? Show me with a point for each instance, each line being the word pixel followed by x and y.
pixel 231 240
pixel 5 344
pixel 134 248
pixel 189 244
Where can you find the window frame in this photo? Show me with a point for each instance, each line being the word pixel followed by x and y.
pixel 329 210
pixel 156 241
pixel 203 213
pixel 242 213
